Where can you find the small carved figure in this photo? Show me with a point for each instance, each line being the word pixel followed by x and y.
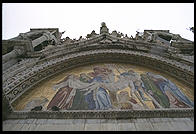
pixel 103 28
pixel 80 38
pixel 103 24
pixel 60 34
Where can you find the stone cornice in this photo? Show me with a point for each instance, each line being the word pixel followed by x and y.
pixel 106 114
pixel 115 41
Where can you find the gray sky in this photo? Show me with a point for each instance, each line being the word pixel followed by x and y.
pixel 79 19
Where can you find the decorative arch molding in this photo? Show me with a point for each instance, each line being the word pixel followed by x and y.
pixel 101 49
pixel 57 65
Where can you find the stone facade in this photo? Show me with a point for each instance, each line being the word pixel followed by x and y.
pixel 31 66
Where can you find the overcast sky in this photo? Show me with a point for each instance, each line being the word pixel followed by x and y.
pixel 79 19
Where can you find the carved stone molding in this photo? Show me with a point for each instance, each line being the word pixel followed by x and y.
pixel 102 48
pixel 104 114
pixel 55 66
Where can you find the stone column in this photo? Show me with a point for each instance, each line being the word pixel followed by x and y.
pixel 13 54
pixel 41 39
pixel 6 107
pixel 10 58
pixel 44 37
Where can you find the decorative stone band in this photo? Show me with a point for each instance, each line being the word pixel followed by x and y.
pixel 104 114
pixel 67 62
pixel 89 46
pixel 96 42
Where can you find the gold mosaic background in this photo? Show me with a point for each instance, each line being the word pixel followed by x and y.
pixel 44 89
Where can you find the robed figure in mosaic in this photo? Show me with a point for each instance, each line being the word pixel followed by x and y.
pixel 97 90
pixel 165 92
pixel 95 95
pixel 63 99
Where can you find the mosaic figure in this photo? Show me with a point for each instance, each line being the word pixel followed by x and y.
pixel 133 81
pixel 66 92
pixel 176 97
pixel 126 102
pixel 155 92
pixel 80 101
pixel 100 95
pixel 102 89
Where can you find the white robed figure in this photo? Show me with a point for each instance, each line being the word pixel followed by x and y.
pixel 100 96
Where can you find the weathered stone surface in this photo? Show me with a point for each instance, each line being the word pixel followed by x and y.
pixel 189 125
pixel 11 121
pixel 92 121
pixel 12 127
pixel 143 126
pixel 26 127
pixel 78 127
pixel 50 127
pixel 108 127
pixel 78 121
pixel 41 121
pixel 108 124
pixel 104 47
pixel 92 125
pixel 8 127
pixel 33 127
pixel 163 124
pixel 126 125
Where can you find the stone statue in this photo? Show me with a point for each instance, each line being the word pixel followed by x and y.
pixel 60 34
pixel 103 24
pixel 67 40
pixel 114 33
pixel 103 28
pixel 92 34
pixel 81 39
pixel 137 36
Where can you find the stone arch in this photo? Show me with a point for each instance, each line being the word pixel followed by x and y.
pixel 100 49
pixel 100 56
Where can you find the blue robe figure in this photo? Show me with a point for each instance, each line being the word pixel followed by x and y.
pixel 102 100
pixel 89 99
pixel 175 90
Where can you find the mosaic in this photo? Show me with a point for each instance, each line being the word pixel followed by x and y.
pixel 106 87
